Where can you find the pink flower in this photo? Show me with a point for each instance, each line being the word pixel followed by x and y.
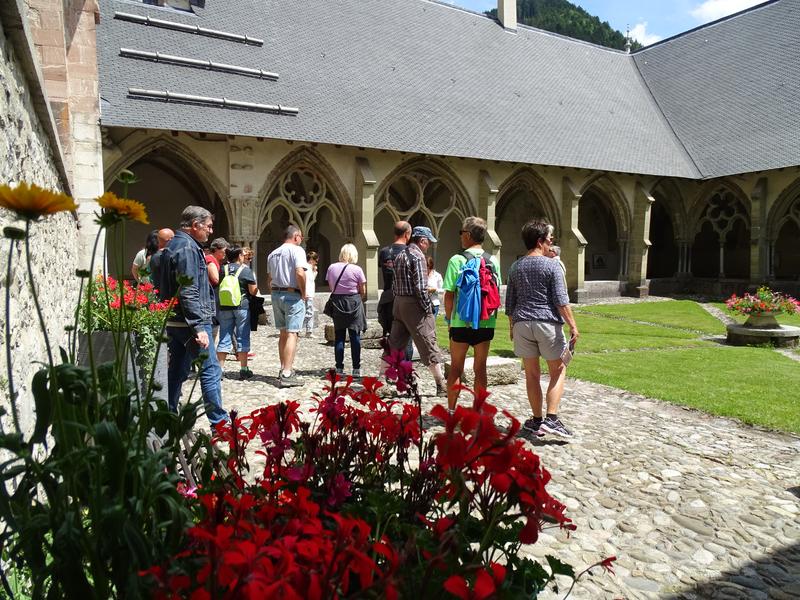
pixel 339 490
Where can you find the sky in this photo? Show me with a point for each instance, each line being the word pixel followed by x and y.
pixel 648 20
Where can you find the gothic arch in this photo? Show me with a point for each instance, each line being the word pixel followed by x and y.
pixel 665 190
pixel 140 144
pixel 527 179
pixel 616 201
pixel 420 173
pixel 785 208
pixel 698 211
pixel 326 191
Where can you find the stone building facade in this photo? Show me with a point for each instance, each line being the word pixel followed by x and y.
pixel 49 136
pixel 631 157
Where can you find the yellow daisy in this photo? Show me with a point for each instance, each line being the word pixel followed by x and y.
pixel 30 201
pixel 128 209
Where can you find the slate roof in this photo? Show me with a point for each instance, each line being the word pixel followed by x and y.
pixel 424 77
pixel 731 90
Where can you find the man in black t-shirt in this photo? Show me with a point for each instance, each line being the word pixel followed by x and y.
pixel 386 256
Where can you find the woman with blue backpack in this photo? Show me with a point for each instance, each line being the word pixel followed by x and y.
pixel 238 284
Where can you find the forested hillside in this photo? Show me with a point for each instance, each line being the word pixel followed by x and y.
pixel 561 16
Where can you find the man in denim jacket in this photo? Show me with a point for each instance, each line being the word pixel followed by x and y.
pixel 189 330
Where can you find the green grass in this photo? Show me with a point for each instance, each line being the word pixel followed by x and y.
pixel 756 385
pixel 668 361
pixel 684 314
pixel 783 319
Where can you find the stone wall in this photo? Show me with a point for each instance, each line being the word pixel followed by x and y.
pixel 29 155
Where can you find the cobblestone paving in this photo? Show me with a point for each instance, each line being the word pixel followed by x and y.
pixel 693 506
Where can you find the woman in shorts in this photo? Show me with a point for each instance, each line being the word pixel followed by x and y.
pixel 537 306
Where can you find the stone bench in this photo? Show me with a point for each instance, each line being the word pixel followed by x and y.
pixel 499 371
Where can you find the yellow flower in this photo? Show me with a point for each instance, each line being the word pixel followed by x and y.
pixel 30 201
pixel 128 209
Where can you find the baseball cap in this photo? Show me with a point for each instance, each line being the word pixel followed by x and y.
pixel 420 231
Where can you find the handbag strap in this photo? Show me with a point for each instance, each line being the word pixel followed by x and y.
pixel 335 285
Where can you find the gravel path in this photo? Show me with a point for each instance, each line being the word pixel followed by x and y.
pixel 693 506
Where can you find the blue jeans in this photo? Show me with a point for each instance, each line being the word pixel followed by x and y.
pixel 231 321
pixel 183 350
pixel 355 348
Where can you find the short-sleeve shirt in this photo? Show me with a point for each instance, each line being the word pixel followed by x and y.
pixel 451 276
pixel 352 278
pixel 142 267
pixel 535 290
pixel 246 277
pixel 282 264
pixel 212 260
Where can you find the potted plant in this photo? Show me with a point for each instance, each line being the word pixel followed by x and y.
pixel 117 309
pixel 762 307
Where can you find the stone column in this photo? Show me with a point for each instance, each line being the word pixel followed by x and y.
pixel 759 245
pixel 639 242
pixel 366 238
pixel 487 203
pixel 573 245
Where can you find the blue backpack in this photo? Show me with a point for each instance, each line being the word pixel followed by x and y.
pixel 469 292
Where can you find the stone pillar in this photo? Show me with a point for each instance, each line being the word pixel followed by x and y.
pixel 487 203
pixel 366 238
pixel 70 75
pixel 759 245
pixel 573 245
pixel 639 242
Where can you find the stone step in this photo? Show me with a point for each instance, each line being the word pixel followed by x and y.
pixel 499 371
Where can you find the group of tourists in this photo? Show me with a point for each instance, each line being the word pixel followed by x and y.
pixel 536 304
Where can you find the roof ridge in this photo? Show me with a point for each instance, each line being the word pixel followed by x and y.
pixel 707 25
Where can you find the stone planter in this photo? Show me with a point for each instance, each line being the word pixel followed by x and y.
pixel 762 320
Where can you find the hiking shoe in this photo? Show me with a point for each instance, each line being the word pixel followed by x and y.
pixel 290 380
pixel 441 391
pixel 533 426
pixel 357 373
pixel 556 427
pixel 245 374
pixel 340 372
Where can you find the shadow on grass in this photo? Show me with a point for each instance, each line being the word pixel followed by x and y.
pixel 776 575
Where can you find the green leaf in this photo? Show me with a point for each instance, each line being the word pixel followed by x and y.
pixel 560 568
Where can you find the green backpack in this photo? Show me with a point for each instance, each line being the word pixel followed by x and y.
pixel 230 292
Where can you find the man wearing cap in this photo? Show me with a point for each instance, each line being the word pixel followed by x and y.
pixel 462 336
pixel 413 310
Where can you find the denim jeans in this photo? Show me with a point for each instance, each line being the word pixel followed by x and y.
pixel 355 348
pixel 182 351
pixel 237 321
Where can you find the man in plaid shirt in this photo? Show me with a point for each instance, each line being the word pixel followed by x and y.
pixel 413 310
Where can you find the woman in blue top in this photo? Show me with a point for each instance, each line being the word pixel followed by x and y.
pixel 537 305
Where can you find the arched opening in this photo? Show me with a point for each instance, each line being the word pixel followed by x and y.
pixel 515 208
pixel 662 258
pixel 721 245
pixel 598 225
pixel 303 190
pixel 422 192
pixel 787 250
pixel 167 183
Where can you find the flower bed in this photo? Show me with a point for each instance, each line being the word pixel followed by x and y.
pixel 763 301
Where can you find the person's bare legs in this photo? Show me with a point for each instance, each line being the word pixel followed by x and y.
pixel 282 348
pixel 532 385
pixel 481 353
pixel 555 389
pixel 289 350
pixel 458 354
pixel 242 359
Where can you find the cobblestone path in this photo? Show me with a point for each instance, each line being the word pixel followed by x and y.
pixel 693 506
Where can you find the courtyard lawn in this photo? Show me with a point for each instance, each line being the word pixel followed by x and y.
pixel 755 385
pixel 618 348
pixel 684 314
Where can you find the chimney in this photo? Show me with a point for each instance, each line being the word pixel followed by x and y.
pixel 507 13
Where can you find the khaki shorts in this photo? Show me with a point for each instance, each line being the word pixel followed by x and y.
pixel 539 338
